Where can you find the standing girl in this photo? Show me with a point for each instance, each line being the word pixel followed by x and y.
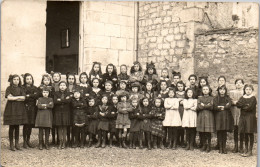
pixel 205 120
pixel 165 77
pixel 202 82
pixel 110 75
pixel 136 74
pixel 123 121
pixel 31 92
pixel 62 115
pixel 172 118
pixel 83 85
pixel 193 86
pixel 158 132
pixel 163 90
pixel 112 120
pixel 104 112
pixel 122 88
pixel 15 112
pixel 146 124
pixel 92 117
pixel 180 95
pixel 71 88
pixel 96 73
pixel 150 75
pixel 136 122
pixel 96 91
pixel 123 75
pixel 56 77
pixel 44 117
pixel 79 119
pixel 149 91
pixel 235 96
pixel 189 120
pixel 136 91
pixel 223 117
pixel 176 78
pixel 247 121
pixel 46 82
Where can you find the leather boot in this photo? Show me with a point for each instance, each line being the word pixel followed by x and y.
pixel 209 146
pixel 104 142
pixel 174 146
pixel 82 140
pixel 170 144
pixel 155 142
pixel 60 144
pixel 131 144
pixel 89 143
pixel 98 143
pixel 11 144
pixel 149 144
pixel 249 152
pixel 161 144
pixel 140 144
pixel 123 143
pixel 111 142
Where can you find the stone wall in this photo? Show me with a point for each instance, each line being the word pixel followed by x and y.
pixel 166 33
pixel 108 33
pixel 229 52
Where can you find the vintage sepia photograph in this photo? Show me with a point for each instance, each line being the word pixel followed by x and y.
pixel 129 83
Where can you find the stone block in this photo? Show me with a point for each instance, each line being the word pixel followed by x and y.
pixel 178 36
pixel 178 51
pixel 166 46
pixel 95 5
pixel 118 43
pixel 164 32
pixel 128 11
pixel 130 44
pixel 127 32
pixel 113 8
pixel 164 52
pixel 169 38
pixel 97 41
pixel 126 57
pixel 173 44
pixel 176 30
pixel 112 30
pixel 97 26
pixel 152 45
pixel 181 43
pixel 167 19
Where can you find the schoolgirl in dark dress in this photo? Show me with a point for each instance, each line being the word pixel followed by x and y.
pixel 71 88
pixel 92 119
pixel 104 112
pixel 146 123
pixel 15 112
pixel 84 86
pixel 247 122
pixel 95 91
pixel 150 75
pixel 44 117
pixel 62 107
pixel 223 117
pixel 56 77
pixel 136 123
pixel 79 119
pixel 112 120
pixel 123 75
pixel 157 129
pixel 96 73
pixel 110 75
pixel 31 92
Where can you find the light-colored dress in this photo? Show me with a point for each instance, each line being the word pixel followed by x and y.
pixel 190 115
pixel 172 116
pixel 235 95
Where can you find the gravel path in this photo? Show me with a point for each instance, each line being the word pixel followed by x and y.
pixel 118 157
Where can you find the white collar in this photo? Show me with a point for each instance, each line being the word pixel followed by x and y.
pixel 246 96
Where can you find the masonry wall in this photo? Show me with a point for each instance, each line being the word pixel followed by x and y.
pixel 229 52
pixel 109 32
pixel 167 29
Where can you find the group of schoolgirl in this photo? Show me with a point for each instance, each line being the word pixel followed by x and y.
pixel 152 110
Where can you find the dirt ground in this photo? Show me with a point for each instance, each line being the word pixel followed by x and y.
pixel 118 157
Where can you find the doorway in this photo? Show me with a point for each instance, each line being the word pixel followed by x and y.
pixel 62 36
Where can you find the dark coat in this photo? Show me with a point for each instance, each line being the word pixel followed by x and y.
pixel 44 116
pixel 223 118
pixel 104 120
pixel 147 116
pixel 158 115
pixel 113 78
pixel 247 121
pixel 79 112
pixel 92 119
pixel 205 119
pixel 136 119
pixel 62 109
pixel 30 103
pixel 15 112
